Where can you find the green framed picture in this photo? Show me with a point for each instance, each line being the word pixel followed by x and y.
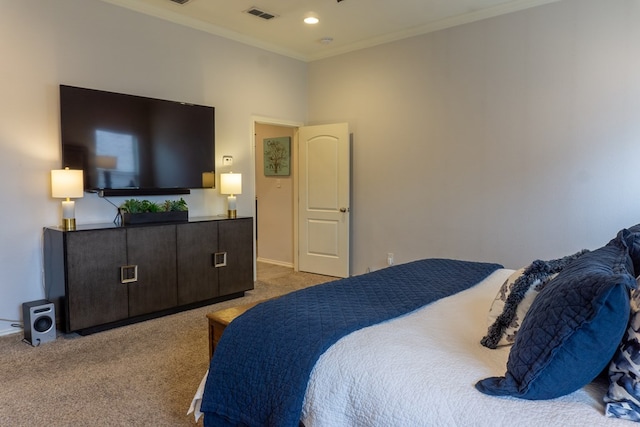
pixel 277 156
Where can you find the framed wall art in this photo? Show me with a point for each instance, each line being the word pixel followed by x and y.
pixel 277 156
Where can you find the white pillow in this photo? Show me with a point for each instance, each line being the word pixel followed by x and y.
pixel 512 322
pixel 516 295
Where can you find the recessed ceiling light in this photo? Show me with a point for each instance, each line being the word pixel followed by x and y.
pixel 311 20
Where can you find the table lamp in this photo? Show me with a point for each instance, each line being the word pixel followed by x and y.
pixel 231 184
pixel 67 183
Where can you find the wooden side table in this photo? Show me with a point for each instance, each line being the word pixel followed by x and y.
pixel 219 320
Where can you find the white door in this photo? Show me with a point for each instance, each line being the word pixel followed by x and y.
pixel 323 204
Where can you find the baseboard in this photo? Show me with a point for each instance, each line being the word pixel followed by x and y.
pixel 10 331
pixel 274 262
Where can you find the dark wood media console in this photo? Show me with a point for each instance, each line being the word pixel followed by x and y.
pixel 102 276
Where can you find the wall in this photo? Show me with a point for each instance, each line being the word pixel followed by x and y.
pixel 505 140
pixel 274 196
pixel 93 44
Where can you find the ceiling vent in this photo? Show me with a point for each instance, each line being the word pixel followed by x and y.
pixel 180 1
pixel 260 13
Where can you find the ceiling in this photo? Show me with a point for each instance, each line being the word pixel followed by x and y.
pixel 345 25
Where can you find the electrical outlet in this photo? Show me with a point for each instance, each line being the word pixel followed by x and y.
pixel 227 160
pixel 389 258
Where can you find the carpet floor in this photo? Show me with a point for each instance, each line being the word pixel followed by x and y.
pixel 143 374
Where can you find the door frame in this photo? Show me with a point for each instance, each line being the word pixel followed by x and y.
pixel 255 119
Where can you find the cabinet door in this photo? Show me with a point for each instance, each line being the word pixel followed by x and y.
pixel 95 294
pixel 236 239
pixel 197 244
pixel 153 250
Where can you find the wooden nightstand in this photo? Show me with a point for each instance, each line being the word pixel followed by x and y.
pixel 219 320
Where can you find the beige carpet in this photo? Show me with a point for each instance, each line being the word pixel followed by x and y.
pixel 138 375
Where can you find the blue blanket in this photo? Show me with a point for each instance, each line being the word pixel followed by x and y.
pixel 260 369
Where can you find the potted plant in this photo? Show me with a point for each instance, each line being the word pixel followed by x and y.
pixel 136 211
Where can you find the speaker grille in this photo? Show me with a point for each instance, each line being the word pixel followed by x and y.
pixel 43 324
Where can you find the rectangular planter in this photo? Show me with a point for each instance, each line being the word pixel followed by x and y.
pixel 154 217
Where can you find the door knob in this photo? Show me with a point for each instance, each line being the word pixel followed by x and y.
pixel 343 210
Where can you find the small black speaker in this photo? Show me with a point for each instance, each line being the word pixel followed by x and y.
pixel 39 322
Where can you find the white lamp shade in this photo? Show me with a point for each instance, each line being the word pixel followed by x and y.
pixel 230 183
pixel 67 183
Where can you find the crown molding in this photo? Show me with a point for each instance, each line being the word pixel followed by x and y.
pixel 481 14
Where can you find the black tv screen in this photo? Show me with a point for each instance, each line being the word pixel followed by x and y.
pixel 133 145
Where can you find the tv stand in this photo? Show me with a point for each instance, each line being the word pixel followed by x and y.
pixel 103 276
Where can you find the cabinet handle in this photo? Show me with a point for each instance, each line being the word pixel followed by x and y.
pixel 219 259
pixel 128 274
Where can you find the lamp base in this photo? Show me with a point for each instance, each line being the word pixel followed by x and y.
pixel 68 224
pixel 231 213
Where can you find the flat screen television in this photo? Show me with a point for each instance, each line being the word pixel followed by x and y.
pixel 133 145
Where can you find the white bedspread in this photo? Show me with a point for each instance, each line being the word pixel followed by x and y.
pixel 420 370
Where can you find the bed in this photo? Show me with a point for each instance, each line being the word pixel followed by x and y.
pixel 428 367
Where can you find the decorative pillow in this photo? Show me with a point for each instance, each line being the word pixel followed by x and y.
pixel 623 397
pixel 633 241
pixel 515 297
pixel 572 328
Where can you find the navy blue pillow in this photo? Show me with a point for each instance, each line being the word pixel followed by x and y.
pixel 572 329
